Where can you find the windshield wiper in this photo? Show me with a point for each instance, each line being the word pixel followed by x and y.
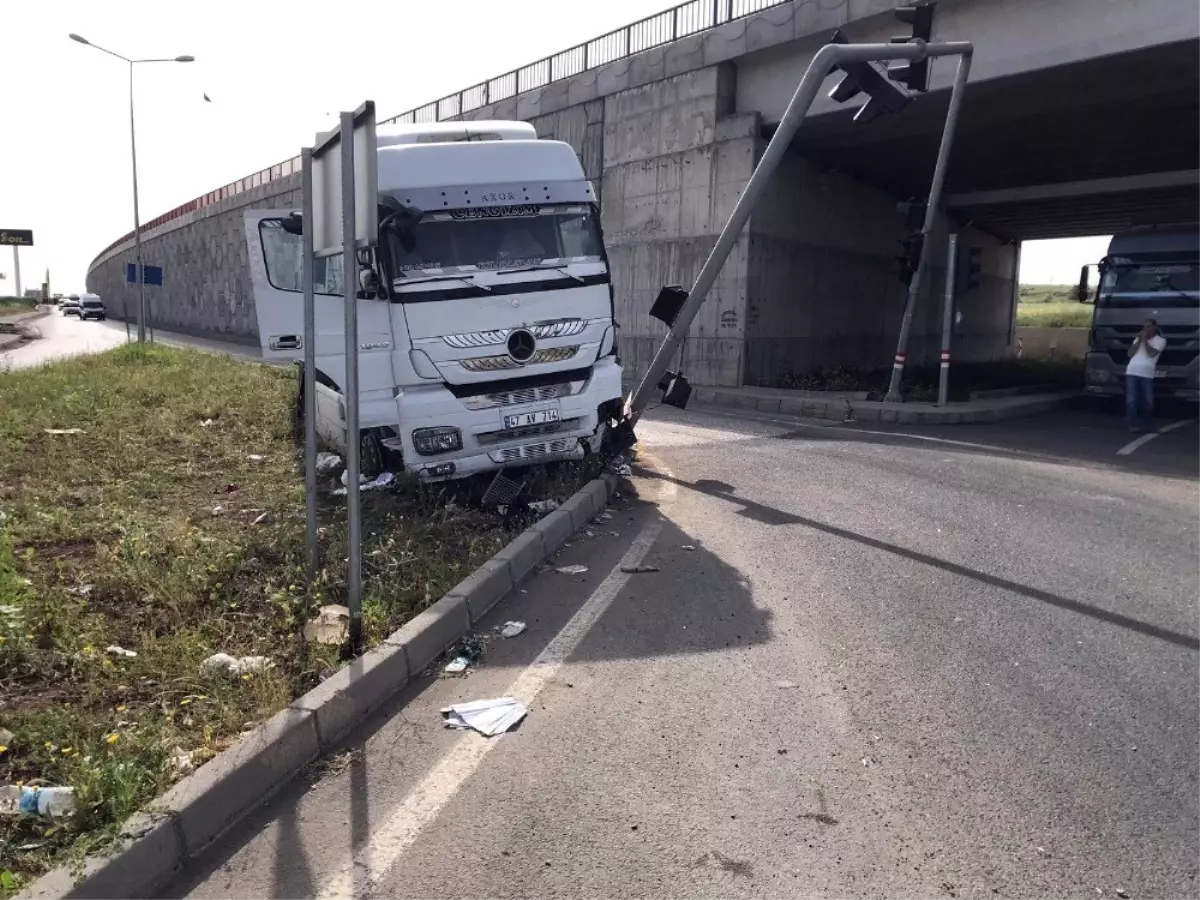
pixel 464 279
pixel 562 269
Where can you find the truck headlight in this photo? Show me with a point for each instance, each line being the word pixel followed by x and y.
pixel 431 441
pixel 1099 376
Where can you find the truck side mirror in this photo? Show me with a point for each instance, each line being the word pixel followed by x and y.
pixel 292 223
pixel 1083 290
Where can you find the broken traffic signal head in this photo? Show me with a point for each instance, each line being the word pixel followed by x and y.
pixel 914 74
pixel 862 77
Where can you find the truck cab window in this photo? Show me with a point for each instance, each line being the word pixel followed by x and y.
pixel 282 256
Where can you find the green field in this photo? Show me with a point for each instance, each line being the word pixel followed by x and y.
pixel 1052 306
pixel 152 514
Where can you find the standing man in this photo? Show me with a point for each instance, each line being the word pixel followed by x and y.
pixel 1139 376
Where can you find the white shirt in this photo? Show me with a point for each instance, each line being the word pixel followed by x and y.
pixel 1141 363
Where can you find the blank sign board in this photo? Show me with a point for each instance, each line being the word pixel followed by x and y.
pixel 327 186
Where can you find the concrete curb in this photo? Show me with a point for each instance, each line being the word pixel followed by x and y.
pixel 199 809
pixel 849 408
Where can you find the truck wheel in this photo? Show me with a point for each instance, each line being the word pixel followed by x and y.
pixel 372 456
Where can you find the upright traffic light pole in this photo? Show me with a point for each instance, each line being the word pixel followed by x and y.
pixel 849 58
pixel 931 213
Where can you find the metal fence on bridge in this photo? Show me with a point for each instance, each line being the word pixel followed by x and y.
pixel 680 21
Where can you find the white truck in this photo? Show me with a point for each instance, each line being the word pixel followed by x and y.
pixel 486 330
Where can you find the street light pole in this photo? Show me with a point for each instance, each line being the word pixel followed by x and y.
pixel 139 270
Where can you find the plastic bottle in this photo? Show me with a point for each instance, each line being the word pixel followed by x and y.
pixel 51 802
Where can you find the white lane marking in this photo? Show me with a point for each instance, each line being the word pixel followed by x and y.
pixel 425 802
pixel 1147 438
pixel 793 424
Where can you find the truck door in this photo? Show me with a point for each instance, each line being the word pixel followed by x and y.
pixel 275 258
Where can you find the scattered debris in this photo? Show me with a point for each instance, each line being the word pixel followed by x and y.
pixel 606 516
pixel 329 626
pixel 624 469
pixel 543 506
pixel 786 685
pixel 572 570
pixel 375 484
pixel 488 717
pixel 511 629
pixel 230 665
pixel 1122 894
pixel 50 802
pixel 180 762
pixel 64 431
pixel 464 654
pixel 255 457
pixel 114 650
pixel 261 518
pixel 690 548
pixel 207 423
pixel 639 570
pixel 82 590
pixel 218 510
pixel 328 463
pixel 6 737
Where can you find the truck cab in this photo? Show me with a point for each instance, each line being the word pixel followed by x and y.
pixel 1151 273
pixel 486 335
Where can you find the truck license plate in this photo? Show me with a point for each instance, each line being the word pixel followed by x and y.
pixel 524 420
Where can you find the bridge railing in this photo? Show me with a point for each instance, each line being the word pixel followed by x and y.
pixel 680 21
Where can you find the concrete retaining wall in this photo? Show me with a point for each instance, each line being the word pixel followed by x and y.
pixel 206 273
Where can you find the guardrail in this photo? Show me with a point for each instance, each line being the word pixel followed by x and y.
pixel 680 21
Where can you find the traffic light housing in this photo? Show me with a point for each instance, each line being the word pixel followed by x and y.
pixel 913 212
pixel 914 73
pixel 910 257
pixel 862 77
pixel 968 270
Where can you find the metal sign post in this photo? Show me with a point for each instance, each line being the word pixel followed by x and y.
pixel 823 62
pixel 310 366
pixel 17 238
pixel 343 219
pixel 947 320
pixel 931 213
pixel 353 439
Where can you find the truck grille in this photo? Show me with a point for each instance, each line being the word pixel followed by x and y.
pixel 534 451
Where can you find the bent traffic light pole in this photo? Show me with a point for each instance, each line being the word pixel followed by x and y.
pixel 931 212
pixel 828 58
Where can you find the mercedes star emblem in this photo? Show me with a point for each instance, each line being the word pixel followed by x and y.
pixel 521 345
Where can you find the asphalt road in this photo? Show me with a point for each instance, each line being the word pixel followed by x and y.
pixel 65 336
pixel 932 662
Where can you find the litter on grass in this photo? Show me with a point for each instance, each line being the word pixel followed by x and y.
pixel 543 506
pixel 114 650
pixel 234 665
pixel 375 484
pixel 64 431
pixel 572 570
pixel 488 717
pixel 328 463
pixel 329 626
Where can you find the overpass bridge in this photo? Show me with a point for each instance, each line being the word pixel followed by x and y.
pixel 1082 117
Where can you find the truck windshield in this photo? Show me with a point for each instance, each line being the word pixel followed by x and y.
pixel 1150 284
pixel 497 238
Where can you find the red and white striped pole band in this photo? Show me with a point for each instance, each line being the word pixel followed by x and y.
pixel 945 357
pixel 899 359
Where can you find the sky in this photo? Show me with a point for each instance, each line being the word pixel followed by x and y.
pixel 275 77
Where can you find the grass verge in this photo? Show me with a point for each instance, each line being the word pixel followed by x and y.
pixel 171 526
pixel 10 306
pixel 1054 315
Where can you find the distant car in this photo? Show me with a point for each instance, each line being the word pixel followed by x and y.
pixel 91 307
pixel 69 306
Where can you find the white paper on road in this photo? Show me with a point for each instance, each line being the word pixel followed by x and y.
pixel 488 717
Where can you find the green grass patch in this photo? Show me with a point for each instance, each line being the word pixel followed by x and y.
pixel 140 532
pixel 1066 314
pixel 10 306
